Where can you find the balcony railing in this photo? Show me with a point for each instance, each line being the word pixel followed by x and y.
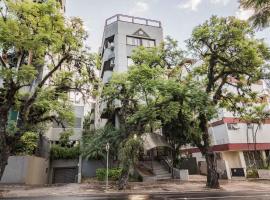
pixel 134 20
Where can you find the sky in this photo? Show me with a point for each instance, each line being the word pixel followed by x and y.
pixel 178 17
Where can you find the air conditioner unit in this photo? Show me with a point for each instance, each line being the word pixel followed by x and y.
pixel 235 126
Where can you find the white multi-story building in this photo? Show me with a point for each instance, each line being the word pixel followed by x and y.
pixel 121 35
pixel 240 145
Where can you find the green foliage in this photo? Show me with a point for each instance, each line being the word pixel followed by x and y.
pixel 64 138
pixel 113 174
pixel 59 152
pixel 232 58
pixel 94 142
pixel 261 15
pixel 33 34
pixel 29 142
pixel 252 173
pixel 129 152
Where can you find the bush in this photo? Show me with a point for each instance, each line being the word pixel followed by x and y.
pixel 29 142
pixel 252 173
pixel 113 175
pixel 58 152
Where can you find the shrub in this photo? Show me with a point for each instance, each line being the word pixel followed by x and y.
pixel 58 152
pixel 113 174
pixel 29 142
pixel 252 173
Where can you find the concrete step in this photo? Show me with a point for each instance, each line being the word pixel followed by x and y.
pixel 164 175
pixel 161 173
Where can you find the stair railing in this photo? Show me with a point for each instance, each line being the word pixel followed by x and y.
pixel 165 161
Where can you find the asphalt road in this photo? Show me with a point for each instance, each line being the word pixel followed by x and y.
pixel 161 196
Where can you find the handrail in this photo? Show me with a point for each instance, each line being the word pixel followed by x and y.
pixel 165 161
pixel 132 19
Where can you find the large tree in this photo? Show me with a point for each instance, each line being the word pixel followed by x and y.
pixel 232 61
pixel 42 59
pixel 150 96
pixel 261 15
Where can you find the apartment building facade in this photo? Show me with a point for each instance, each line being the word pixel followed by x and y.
pixel 123 33
pixel 239 145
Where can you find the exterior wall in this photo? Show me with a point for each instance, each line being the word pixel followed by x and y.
pixel 233 159
pixel 53 134
pixel 89 167
pixel 242 135
pixel 222 135
pixel 219 134
pixel 123 50
pixel 38 169
pixel 29 170
pixel 120 27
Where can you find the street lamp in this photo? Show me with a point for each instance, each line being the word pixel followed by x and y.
pixel 107 175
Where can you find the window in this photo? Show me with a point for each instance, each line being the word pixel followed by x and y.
pixel 140 42
pixel 129 62
pixel 148 43
pixel 133 41
pixel 232 126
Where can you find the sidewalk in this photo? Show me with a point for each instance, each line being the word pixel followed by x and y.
pixel 141 188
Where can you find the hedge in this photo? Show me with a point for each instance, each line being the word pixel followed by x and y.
pixel 58 152
pixel 113 175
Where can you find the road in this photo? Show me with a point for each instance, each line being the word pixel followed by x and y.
pixel 161 196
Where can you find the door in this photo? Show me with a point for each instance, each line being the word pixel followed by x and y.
pixel 65 175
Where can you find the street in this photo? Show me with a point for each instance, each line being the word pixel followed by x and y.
pixel 158 196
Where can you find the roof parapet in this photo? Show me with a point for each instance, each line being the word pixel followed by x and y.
pixel 132 19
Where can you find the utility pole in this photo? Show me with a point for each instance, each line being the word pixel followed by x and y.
pixel 107 175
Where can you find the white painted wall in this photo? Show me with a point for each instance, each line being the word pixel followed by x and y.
pixel 240 135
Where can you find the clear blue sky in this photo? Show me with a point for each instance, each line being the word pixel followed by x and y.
pixel 178 17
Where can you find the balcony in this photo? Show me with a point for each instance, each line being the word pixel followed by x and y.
pixel 134 20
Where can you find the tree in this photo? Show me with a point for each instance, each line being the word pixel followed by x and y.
pixel 150 96
pixel 261 8
pixel 232 61
pixel 255 116
pixel 42 59
pixel 94 142
pixel 129 153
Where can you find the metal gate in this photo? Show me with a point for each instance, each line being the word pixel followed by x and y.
pixel 65 175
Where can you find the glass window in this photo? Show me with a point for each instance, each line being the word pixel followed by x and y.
pixel 137 42
pixel 145 42
pixel 140 41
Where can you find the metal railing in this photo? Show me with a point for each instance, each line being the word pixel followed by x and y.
pixel 165 161
pixel 134 20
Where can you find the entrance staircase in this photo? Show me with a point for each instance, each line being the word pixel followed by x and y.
pixel 159 172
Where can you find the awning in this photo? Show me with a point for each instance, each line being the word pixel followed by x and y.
pixel 153 140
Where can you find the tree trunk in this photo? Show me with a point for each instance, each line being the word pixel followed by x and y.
pixel 123 181
pixel 212 174
pixel 4 149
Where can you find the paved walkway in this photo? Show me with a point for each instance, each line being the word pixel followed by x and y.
pixel 136 188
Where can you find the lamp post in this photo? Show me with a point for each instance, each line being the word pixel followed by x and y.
pixel 107 175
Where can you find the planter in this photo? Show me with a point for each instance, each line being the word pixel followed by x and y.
pixel 181 173
pixel 264 173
